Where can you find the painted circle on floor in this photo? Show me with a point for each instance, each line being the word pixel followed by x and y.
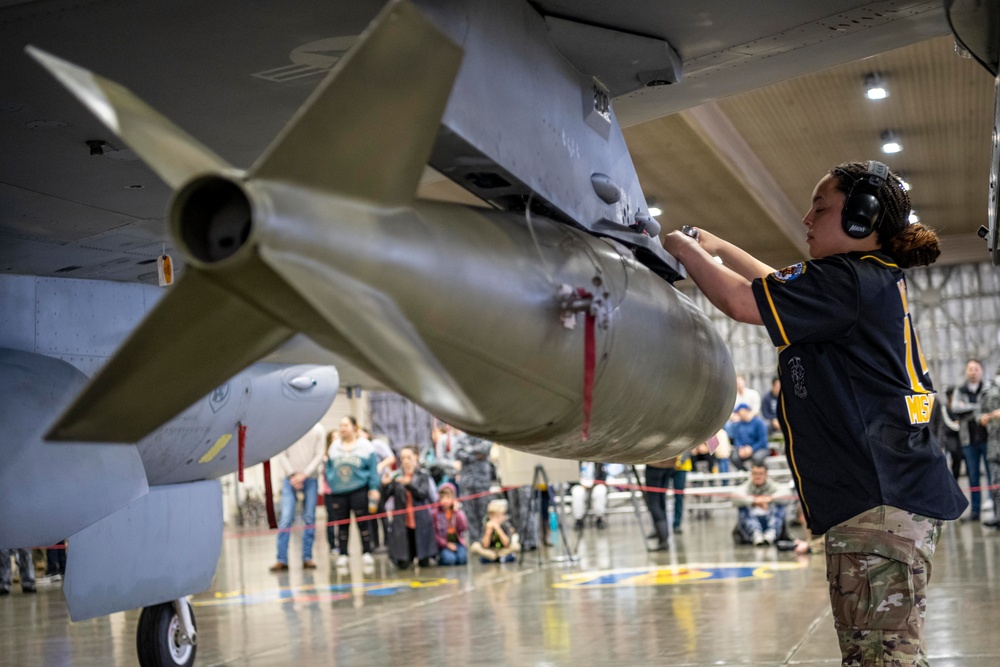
pixel 673 575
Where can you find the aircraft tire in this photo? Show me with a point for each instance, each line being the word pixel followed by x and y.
pixel 156 638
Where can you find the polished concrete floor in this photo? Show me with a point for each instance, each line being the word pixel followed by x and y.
pixel 706 602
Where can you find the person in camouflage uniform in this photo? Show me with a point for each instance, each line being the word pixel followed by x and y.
pixel 878 566
pixel 476 477
pixel 856 398
pixel 988 415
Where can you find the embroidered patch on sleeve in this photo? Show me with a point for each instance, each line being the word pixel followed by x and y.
pixel 789 273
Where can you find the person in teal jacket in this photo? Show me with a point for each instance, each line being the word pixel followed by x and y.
pixel 352 473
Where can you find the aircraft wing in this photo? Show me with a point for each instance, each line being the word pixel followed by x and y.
pixel 232 74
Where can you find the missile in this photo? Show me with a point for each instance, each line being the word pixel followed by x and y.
pixel 517 328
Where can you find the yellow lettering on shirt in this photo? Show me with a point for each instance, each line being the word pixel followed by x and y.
pixel 919 406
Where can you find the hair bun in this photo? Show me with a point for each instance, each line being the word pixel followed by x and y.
pixel 915 245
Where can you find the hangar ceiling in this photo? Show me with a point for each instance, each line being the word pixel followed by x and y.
pixel 941 106
pixel 745 166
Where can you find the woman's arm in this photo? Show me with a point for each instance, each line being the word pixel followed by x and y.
pixel 735 258
pixel 728 291
pixel 374 478
pixel 386 463
pixel 419 486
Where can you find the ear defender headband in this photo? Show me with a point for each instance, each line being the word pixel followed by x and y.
pixel 862 207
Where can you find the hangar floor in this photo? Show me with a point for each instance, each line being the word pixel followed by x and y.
pixel 706 602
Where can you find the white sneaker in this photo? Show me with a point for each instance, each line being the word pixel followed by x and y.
pixel 758 538
pixel 367 559
pixel 342 561
pixel 769 536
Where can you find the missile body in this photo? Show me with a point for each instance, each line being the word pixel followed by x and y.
pixel 483 296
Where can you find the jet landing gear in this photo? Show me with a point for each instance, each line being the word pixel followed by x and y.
pixel 167 635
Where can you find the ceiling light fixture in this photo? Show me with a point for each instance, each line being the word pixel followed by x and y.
pixel 875 88
pixel 903 182
pixel 654 209
pixel 914 218
pixel 890 142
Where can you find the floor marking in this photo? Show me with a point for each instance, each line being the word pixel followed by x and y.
pixel 673 575
pixel 321 592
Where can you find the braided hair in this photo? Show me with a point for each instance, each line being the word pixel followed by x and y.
pixel 910 245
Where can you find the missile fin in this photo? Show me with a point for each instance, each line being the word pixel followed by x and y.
pixel 373 323
pixel 369 129
pixel 172 153
pixel 197 337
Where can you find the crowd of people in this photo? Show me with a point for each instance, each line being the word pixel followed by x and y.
pixel 415 495
pixel 439 505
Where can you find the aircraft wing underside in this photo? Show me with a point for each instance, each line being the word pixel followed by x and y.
pixel 232 74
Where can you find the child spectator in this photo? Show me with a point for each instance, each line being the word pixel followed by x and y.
pixel 499 542
pixel 450 526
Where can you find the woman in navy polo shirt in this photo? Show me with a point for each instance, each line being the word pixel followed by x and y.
pixel 855 398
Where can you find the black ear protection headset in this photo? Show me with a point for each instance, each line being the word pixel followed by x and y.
pixel 862 208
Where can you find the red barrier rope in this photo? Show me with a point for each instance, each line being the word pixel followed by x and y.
pixel 697 491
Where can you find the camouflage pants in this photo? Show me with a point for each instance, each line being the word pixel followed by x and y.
pixel 878 565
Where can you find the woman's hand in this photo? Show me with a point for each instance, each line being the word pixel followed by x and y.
pixel 676 243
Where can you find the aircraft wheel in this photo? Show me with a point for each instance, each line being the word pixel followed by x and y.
pixel 158 638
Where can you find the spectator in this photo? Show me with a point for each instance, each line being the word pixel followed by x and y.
pixel 761 505
pixel 972 434
pixel 660 475
pixel 749 438
pixel 525 523
pixel 769 407
pixel 945 428
pixel 593 487
pixel 988 416
pixel 450 527
pixel 723 452
pixel 499 543
pixel 476 478
pixel 297 467
pixel 332 530
pixel 746 396
pixel 439 458
pixel 386 461
pixel 55 562
pixel 352 472
pixel 24 565
pixel 412 532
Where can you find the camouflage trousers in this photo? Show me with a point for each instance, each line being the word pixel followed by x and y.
pixel 878 564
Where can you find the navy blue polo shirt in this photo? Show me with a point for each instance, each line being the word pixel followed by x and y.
pixel 856 396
